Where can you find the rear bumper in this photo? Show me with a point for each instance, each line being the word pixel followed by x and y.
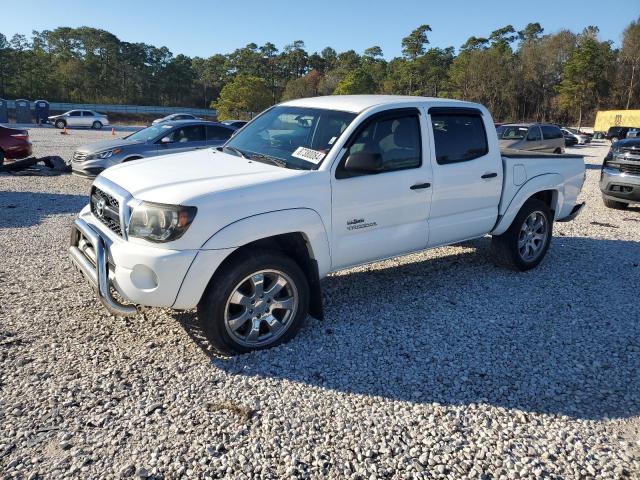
pixel 619 186
pixel 16 152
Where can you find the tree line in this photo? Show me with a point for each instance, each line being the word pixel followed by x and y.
pixel 518 74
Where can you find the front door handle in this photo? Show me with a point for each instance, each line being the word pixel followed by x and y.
pixel 489 175
pixel 419 186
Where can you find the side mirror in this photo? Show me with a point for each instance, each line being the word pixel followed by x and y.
pixel 166 140
pixel 364 162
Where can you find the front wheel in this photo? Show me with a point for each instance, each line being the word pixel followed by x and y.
pixel 96 125
pixel 258 300
pixel 60 124
pixel 1 157
pixel 525 243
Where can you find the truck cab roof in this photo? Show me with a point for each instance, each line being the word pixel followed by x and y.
pixel 360 103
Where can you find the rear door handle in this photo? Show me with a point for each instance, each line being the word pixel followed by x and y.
pixel 419 186
pixel 489 175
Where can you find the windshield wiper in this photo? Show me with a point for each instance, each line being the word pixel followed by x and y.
pixel 233 149
pixel 267 159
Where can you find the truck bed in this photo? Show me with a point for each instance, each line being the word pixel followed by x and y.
pixel 512 153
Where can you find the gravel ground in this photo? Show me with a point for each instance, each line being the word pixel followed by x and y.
pixel 434 365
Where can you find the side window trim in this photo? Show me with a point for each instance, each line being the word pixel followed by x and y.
pixel 384 115
pixel 460 111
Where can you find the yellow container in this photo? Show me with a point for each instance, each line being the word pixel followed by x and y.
pixel 616 118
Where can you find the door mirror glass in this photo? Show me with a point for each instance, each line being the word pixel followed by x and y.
pixel 365 162
pixel 166 140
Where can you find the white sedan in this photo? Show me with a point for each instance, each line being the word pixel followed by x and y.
pixel 581 138
pixel 79 118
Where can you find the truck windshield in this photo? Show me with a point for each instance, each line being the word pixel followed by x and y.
pixel 294 137
pixel 511 132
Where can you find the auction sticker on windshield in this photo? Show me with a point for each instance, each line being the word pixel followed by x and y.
pixel 308 154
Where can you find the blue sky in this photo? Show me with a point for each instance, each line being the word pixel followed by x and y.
pixel 206 27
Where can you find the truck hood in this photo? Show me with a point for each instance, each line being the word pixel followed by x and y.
pixel 107 145
pixel 182 178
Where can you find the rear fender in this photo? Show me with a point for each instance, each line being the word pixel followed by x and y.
pixel 548 181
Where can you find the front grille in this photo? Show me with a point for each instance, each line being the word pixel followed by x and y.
pixel 631 169
pixel 630 151
pixel 106 208
pixel 79 157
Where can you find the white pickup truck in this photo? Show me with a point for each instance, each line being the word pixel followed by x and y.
pixel 246 231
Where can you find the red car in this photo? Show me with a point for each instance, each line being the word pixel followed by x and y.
pixel 14 144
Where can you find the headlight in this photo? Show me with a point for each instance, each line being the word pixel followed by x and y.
pixel 104 154
pixel 160 223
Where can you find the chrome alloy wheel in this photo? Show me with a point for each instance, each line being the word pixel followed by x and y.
pixel 261 308
pixel 533 236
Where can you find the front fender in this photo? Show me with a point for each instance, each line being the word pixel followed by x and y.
pixel 241 232
pixel 548 181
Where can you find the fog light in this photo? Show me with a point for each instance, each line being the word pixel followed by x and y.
pixel 143 278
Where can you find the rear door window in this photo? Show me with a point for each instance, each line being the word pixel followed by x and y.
pixel 534 134
pixel 458 137
pixel 215 132
pixel 549 132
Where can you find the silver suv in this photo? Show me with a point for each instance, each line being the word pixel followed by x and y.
pixel 162 139
pixel 533 137
pixel 620 177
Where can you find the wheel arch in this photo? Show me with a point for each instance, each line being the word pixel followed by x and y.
pixel 299 233
pixel 547 188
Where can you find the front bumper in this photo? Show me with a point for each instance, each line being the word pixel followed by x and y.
pixel 618 186
pixel 140 274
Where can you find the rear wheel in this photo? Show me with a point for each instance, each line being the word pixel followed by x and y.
pixel 258 300
pixel 96 125
pixel 614 204
pixel 525 243
pixel 60 124
pixel 557 151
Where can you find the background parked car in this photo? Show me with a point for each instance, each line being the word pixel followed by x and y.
pixel 617 133
pixel 79 118
pixel 235 123
pixel 161 139
pixel 14 144
pixel 620 175
pixel 633 133
pixel 175 116
pixel 535 137
pixel 569 140
pixel 580 138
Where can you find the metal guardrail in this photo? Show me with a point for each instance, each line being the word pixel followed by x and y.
pixel 106 108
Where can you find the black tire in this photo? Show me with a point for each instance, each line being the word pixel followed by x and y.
pixel 96 125
pixel 615 205
pixel 557 151
pixel 217 298
pixel 60 124
pixel 1 157
pixel 505 246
